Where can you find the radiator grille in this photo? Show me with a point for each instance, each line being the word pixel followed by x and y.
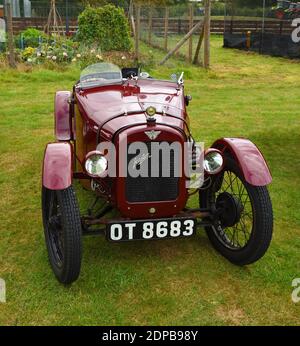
pixel 152 189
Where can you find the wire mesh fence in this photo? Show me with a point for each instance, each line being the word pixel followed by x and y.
pixel 271 27
pixel 163 27
pixel 40 8
pixel 35 13
pixel 160 26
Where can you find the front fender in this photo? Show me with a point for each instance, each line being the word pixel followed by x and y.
pixel 63 123
pixel 58 166
pixel 252 163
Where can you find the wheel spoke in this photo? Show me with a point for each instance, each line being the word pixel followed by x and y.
pixel 237 236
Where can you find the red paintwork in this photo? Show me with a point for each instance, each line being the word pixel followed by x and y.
pixel 58 166
pixel 63 124
pixel 252 163
pixel 99 104
pixel 141 210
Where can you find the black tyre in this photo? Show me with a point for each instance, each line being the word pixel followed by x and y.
pixel 62 228
pixel 244 226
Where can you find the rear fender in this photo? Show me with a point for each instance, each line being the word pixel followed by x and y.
pixel 63 121
pixel 250 160
pixel 58 166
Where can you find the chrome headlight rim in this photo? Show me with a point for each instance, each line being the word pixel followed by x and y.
pixel 211 151
pixel 89 157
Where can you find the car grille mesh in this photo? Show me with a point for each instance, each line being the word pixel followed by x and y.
pixel 152 189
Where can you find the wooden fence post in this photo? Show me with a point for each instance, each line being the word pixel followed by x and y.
pixel 131 17
pixel 207 34
pixel 166 28
pixel 150 25
pixel 181 42
pixel 137 32
pixel 179 26
pixel 10 36
pixel 197 53
pixel 191 24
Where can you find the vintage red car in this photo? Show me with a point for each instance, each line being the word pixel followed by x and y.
pixel 127 137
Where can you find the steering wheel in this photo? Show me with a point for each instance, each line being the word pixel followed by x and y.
pixel 130 74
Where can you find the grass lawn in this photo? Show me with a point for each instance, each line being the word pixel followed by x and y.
pixel 169 282
pixel 158 42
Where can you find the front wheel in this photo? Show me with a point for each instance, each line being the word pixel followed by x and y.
pixel 243 227
pixel 62 228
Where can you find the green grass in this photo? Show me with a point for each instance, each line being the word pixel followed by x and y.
pixel 168 282
pixel 158 42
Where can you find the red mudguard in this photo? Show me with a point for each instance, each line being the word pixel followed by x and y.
pixel 253 165
pixel 63 124
pixel 58 166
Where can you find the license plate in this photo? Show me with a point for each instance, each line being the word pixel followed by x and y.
pixel 151 229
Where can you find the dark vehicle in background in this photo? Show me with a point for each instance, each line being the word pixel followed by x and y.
pixel 286 10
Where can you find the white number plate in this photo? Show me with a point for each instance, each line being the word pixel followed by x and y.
pixel 151 229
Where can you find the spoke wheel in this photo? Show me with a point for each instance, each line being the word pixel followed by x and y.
pixel 243 226
pixel 236 219
pixel 62 229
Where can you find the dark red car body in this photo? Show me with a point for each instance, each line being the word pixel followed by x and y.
pixel 233 198
pixel 79 114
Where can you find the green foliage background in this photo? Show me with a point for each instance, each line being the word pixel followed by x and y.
pixel 31 37
pixel 105 26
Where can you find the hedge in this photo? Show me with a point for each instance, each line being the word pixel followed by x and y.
pixel 105 26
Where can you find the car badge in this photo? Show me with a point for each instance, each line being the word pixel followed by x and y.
pixel 151 111
pixel 152 134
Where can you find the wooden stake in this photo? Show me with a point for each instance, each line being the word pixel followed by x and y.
pixel 196 57
pixel 191 24
pixel 166 28
pixel 181 42
pixel 150 25
pixel 207 34
pixel 10 34
pixel 131 17
pixel 133 25
pixel 54 21
pixel 137 32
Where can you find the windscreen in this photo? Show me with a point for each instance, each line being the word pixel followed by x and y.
pixel 99 75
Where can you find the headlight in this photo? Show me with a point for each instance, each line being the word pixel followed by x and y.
pixel 95 164
pixel 213 161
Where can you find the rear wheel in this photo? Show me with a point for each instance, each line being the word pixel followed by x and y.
pixel 243 228
pixel 62 228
